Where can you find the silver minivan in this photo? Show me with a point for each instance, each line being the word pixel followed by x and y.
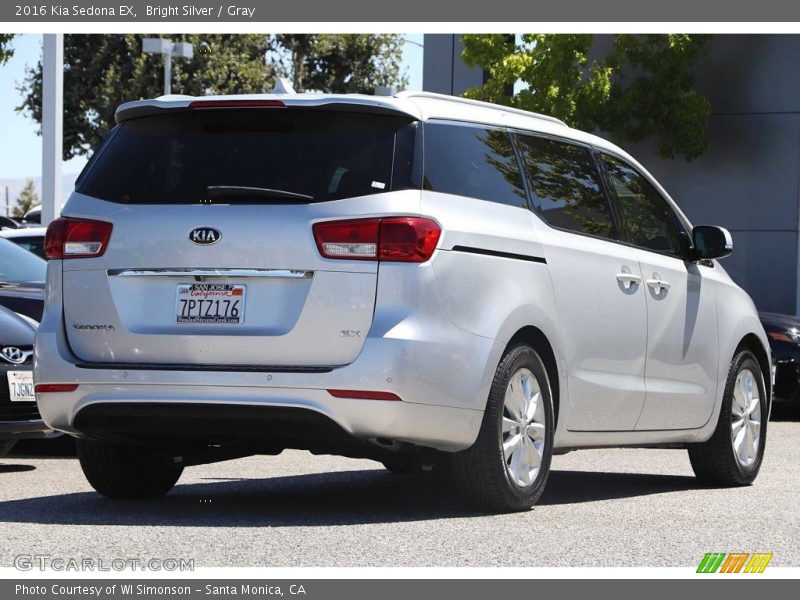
pixel 427 281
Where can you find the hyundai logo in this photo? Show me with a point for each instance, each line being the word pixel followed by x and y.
pixel 13 355
pixel 205 236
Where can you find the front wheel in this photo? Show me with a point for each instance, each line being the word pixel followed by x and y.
pixel 507 467
pixel 127 471
pixel 733 455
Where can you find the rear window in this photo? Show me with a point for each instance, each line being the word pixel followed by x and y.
pixel 473 161
pixel 251 155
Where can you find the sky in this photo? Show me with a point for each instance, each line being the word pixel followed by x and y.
pixel 21 147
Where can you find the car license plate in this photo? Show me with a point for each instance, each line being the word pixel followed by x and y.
pixel 210 303
pixel 20 386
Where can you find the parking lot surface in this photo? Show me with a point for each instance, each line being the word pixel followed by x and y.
pixel 601 508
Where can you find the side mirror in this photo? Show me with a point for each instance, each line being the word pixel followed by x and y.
pixel 710 242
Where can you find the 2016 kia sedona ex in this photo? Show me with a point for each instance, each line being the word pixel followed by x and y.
pixel 427 281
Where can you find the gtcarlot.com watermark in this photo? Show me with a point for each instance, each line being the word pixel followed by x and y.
pixel 49 562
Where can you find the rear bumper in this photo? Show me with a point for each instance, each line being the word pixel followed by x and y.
pixel 441 372
pixel 86 412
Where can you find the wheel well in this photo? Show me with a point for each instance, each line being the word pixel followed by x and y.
pixel 752 343
pixel 539 342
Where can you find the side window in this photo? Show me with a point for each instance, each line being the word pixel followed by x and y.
pixel 472 161
pixel 646 218
pixel 565 186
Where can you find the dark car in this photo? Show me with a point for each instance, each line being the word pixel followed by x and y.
pixel 19 417
pixel 22 276
pixel 784 340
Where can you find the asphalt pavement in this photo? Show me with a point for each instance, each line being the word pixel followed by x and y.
pixel 619 507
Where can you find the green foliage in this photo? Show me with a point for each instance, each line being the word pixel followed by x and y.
pixel 28 198
pixel 342 63
pixel 6 51
pixel 103 71
pixel 642 88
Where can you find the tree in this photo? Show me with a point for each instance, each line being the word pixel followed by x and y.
pixel 341 63
pixel 103 71
pixel 6 51
pixel 643 87
pixel 28 198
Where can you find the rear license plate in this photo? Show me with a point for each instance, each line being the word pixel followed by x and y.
pixel 210 303
pixel 20 386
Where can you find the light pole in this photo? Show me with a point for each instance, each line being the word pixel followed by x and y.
pixel 52 123
pixel 168 49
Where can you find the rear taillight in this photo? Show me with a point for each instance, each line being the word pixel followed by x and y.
pixel 357 239
pixel 395 239
pixel 76 238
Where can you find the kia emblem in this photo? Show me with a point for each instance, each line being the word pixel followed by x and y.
pixel 205 236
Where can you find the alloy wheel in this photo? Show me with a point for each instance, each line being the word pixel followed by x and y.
pixel 746 418
pixel 523 430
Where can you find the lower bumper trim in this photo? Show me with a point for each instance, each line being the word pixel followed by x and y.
pixel 198 420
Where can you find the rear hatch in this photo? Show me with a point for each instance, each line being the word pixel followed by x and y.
pixel 211 258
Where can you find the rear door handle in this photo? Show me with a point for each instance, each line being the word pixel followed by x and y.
pixel 628 279
pixel 657 285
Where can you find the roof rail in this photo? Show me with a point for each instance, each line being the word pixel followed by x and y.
pixel 446 97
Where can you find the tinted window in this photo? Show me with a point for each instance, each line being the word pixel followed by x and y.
pixel 31 244
pixel 565 186
pixel 645 217
pixel 175 158
pixel 472 161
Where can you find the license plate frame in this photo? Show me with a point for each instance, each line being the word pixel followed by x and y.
pixel 230 297
pixel 20 386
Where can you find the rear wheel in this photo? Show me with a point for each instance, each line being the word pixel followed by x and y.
pixel 507 467
pixel 6 446
pixel 733 455
pixel 127 471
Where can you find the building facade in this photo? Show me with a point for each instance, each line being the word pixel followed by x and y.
pixel 748 180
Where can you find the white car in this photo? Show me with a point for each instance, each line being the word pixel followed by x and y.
pixel 421 279
pixel 30 238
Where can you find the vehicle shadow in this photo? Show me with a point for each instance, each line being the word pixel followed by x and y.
pixel 15 468
pixel 324 499
pixel 785 411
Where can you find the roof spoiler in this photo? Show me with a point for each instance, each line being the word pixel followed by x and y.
pixel 344 103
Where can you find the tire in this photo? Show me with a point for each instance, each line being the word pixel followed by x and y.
pixel 718 461
pixel 6 446
pixel 126 471
pixel 483 473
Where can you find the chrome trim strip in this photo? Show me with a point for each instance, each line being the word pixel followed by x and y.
pixel 273 273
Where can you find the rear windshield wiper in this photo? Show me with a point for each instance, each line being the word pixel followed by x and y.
pixel 243 193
